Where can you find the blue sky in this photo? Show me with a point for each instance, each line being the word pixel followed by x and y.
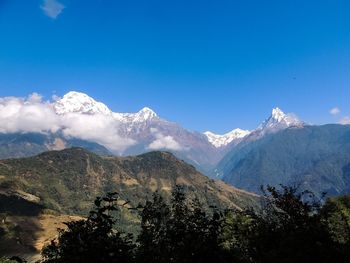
pixel 208 65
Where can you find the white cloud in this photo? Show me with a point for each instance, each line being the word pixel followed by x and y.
pixel 334 111
pixel 27 115
pixel 345 120
pixel 164 142
pixel 98 128
pixel 32 114
pixel 52 8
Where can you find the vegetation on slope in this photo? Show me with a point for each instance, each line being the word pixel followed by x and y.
pixel 53 185
pixel 67 181
pixel 287 229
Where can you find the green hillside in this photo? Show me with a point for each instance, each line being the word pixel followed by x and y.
pixel 38 193
pixel 68 181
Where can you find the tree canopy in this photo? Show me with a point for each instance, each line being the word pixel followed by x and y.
pixel 291 226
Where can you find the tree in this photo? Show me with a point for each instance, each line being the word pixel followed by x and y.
pixel 336 216
pixel 153 243
pixel 288 228
pixel 179 232
pixel 94 239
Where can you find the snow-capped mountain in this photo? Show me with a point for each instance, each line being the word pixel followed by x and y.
pixel 150 132
pixel 276 122
pixel 145 114
pixel 77 102
pixel 146 129
pixel 279 120
pixel 223 140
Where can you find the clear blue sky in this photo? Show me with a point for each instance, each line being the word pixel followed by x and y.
pixel 208 65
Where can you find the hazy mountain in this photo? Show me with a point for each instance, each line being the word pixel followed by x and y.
pixel 15 145
pixel 316 157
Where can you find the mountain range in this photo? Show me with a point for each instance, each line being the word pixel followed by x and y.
pixel 57 156
pixel 68 181
pixel 82 121
pixel 281 150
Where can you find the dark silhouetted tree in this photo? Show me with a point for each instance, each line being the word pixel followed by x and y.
pixel 179 232
pixel 288 228
pixel 94 239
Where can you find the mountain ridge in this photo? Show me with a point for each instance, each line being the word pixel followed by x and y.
pixel 67 181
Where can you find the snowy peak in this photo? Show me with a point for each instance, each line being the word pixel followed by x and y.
pixel 77 102
pixel 279 120
pixel 145 114
pixel 277 114
pixel 225 139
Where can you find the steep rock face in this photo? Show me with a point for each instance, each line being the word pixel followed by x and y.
pixel 67 181
pixel 315 157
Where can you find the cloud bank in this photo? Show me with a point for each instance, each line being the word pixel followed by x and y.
pixel 164 142
pixel 52 8
pixel 32 114
pixel 98 128
pixel 29 114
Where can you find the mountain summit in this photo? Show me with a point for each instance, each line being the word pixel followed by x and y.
pixel 279 121
pixel 77 102
pixel 145 114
